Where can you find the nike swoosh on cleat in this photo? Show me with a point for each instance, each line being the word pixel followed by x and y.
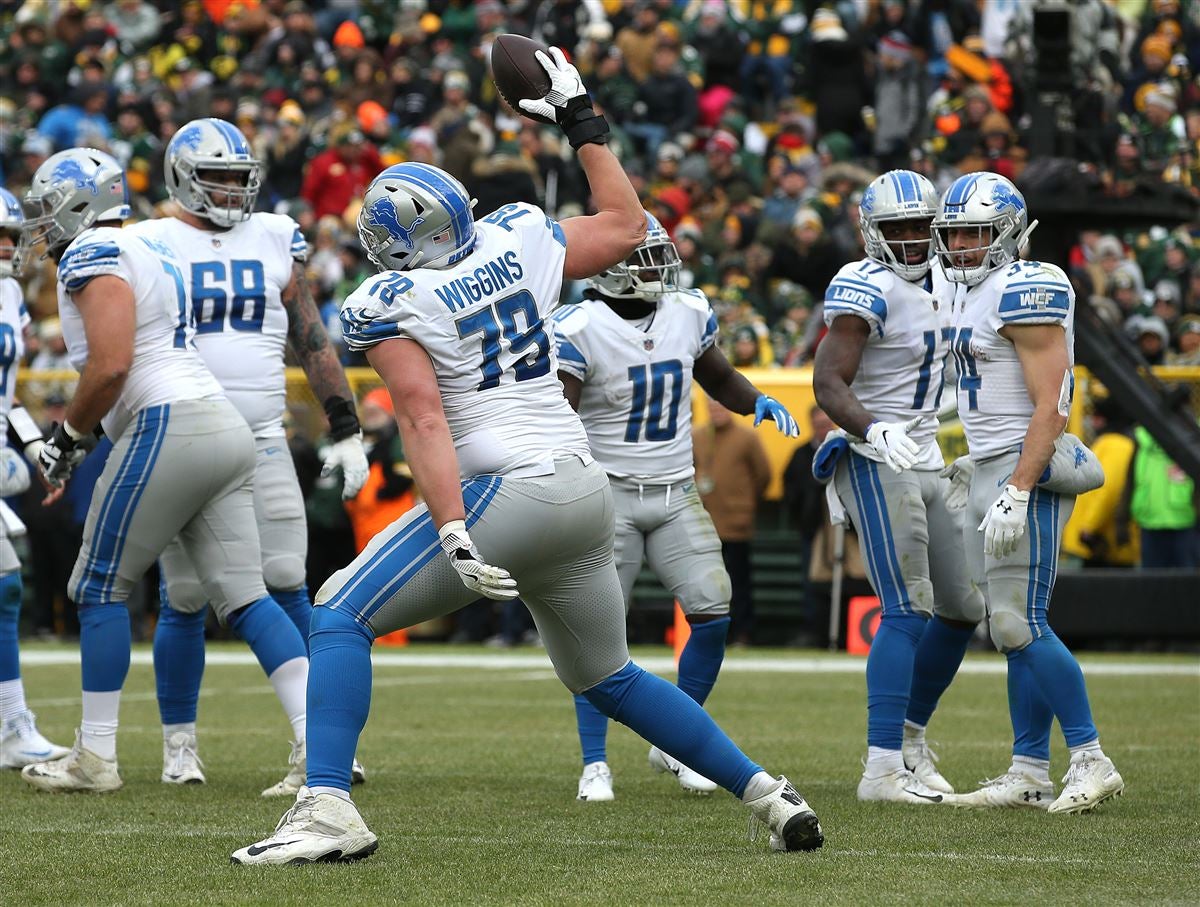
pixel 932 798
pixel 254 850
pixel 35 754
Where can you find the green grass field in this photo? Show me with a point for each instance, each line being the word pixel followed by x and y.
pixel 472 784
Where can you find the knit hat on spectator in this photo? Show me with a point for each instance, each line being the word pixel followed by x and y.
pixel 807 217
pixel 722 141
pixel 1139 325
pixel 348 34
pixel 1157 47
pixel 1162 96
pixel 1188 324
pixel 896 46
pixel 827 26
pixel 1109 246
pixel 457 79
pixel 370 114
pixel 291 112
pixel 669 151
pixel 838 145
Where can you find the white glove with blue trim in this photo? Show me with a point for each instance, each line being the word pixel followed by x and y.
pixel 1004 523
pixel 491 582
pixel 766 407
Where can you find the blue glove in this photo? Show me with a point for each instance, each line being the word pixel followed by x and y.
pixel 768 406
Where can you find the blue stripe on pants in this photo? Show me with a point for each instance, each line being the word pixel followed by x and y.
pixel 876 535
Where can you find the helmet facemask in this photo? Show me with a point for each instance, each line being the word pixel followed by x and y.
pixel 915 255
pixel 239 200
pixel 650 271
pixel 12 257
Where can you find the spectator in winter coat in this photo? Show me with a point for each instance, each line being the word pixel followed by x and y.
pixel 898 104
pixel 339 175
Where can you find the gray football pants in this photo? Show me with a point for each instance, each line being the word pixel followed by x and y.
pixel 182 469
pixel 282 533
pixel 911 544
pixel 669 527
pixel 1018 587
pixel 553 533
pixel 9 562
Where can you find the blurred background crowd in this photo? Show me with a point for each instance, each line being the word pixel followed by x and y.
pixel 749 127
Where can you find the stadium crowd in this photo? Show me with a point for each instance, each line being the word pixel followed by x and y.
pixel 749 127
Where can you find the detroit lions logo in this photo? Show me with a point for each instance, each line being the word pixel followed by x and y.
pixel 189 138
pixel 1005 198
pixel 383 214
pixel 1080 456
pixel 868 200
pixel 72 171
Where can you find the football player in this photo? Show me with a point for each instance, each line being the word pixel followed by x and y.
pixel 1013 344
pixel 247 281
pixel 20 742
pixel 878 374
pixel 182 463
pixel 626 359
pixel 454 324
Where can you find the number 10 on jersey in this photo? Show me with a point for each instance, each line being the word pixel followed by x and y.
pixel 649 393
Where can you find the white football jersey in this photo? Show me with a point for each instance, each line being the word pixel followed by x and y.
pixel 166 367
pixel 236 278
pixel 13 319
pixel 481 322
pixel 900 374
pixel 993 400
pixel 636 402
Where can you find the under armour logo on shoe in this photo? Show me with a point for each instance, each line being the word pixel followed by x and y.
pixel 1031 795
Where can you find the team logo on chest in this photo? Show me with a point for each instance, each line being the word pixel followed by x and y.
pixel 648 344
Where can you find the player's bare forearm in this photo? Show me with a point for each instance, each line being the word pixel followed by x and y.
pixel 107 307
pixel 572 389
pixel 309 341
pixel 837 362
pixel 1042 350
pixel 725 384
pixel 405 368
pixel 598 241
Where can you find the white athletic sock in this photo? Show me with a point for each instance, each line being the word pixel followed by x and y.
pixel 98 730
pixel 290 681
pixel 758 786
pixel 1038 769
pixel 1092 748
pixel 12 699
pixel 334 791
pixel 914 733
pixel 188 727
pixel 881 761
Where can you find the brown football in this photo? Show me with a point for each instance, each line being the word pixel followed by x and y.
pixel 518 74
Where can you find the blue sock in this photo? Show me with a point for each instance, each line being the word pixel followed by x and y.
pixel 339 695
pixel 700 660
pixel 667 717
pixel 889 677
pixel 104 646
pixel 939 653
pixel 178 663
pixel 272 637
pixel 297 606
pixel 593 731
pixel 1059 680
pixel 10 615
pixel 1032 717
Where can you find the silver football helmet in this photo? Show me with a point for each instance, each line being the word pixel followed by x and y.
pixel 416 216
pixel 70 192
pixel 994 207
pixel 898 195
pixel 651 270
pixel 12 222
pixel 194 152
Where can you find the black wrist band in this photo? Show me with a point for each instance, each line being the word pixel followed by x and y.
pixel 581 124
pixel 343 421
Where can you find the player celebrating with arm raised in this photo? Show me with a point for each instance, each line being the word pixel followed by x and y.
pixel 1014 348
pixel 182 462
pixel 626 359
pixel 878 374
pixel 454 324
pixel 251 298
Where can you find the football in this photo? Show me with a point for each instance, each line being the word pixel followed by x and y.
pixel 518 74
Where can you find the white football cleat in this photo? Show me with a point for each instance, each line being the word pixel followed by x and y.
pixel 793 824
pixel 22 745
pixel 358 774
pixel 922 762
pixel 900 786
pixel 1012 790
pixel 181 763
pixel 690 781
pixel 319 828
pixel 79 770
pixel 595 783
pixel 296 776
pixel 1089 782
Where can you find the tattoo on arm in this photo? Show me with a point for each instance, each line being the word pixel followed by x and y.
pixel 309 341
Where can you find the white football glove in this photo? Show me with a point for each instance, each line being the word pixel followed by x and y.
pixel 565 85
pixel 1004 523
pixel 891 441
pixel 65 450
pixel 14 476
pixel 491 582
pixel 959 473
pixel 347 453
